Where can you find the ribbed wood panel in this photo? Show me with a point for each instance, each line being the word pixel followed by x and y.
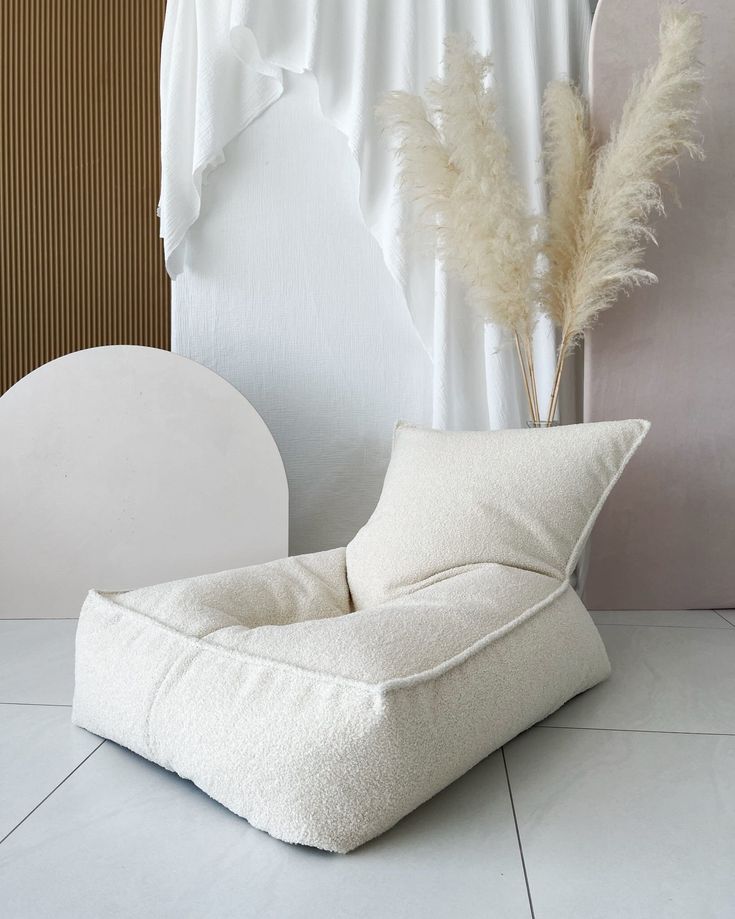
pixel 81 262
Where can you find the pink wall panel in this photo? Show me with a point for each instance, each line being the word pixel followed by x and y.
pixel 666 539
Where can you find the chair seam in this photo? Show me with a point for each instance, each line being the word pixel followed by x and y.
pixel 380 689
pixel 456 570
pixel 156 695
pixel 592 519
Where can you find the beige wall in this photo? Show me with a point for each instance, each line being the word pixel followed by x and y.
pixel 666 539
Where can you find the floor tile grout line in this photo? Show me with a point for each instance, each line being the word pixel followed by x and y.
pixel 718 613
pixel 573 727
pixel 518 834
pixel 55 788
pixel 41 704
pixel 650 625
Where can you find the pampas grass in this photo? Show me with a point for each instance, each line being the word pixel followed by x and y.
pixel 600 258
pixel 569 163
pixel 454 163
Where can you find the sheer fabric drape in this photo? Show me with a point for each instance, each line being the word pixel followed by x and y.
pixel 222 65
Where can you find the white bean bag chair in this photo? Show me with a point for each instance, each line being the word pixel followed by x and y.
pixel 325 696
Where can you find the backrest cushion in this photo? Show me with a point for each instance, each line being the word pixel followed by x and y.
pixel 522 498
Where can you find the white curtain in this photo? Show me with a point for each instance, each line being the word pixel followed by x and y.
pixel 222 66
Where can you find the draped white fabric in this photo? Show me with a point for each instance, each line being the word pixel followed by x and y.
pixel 222 63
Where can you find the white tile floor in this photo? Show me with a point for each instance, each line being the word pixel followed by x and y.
pixel 620 805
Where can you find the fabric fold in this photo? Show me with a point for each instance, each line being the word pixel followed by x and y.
pixel 222 64
pixel 214 83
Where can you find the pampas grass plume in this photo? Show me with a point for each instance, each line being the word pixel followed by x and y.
pixel 454 164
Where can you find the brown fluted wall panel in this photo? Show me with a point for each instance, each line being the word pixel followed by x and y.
pixel 80 259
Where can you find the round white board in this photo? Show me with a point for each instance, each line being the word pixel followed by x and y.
pixel 125 466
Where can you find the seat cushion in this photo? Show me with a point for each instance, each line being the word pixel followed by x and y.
pixel 324 697
pixel 525 498
pixel 320 723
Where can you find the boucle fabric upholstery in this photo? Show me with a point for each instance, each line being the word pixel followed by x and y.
pixel 324 711
pixel 525 498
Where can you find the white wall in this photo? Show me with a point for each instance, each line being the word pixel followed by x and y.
pixel 280 245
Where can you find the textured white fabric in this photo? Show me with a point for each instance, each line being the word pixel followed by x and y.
pixel 524 498
pixel 326 732
pixel 223 64
pixel 286 694
pixel 208 95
